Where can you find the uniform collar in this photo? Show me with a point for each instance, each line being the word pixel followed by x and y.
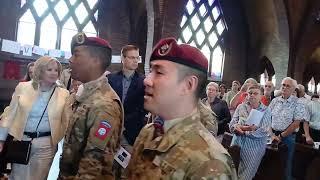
pixel 179 127
pixel 90 87
pixel 170 123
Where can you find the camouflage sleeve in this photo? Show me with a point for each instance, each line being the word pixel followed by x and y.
pixel 103 142
pixel 208 119
pixel 214 170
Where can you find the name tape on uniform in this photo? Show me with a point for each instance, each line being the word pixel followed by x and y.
pixel 122 157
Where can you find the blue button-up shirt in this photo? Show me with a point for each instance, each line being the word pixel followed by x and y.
pixel 126 81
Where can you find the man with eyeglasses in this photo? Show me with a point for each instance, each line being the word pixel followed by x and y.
pixel 287 113
pixel 128 84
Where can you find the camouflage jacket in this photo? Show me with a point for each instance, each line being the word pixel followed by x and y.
pixel 93 133
pixel 186 151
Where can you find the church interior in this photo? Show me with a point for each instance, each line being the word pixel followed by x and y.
pixel 266 40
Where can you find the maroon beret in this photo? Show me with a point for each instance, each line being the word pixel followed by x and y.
pixel 81 39
pixel 169 49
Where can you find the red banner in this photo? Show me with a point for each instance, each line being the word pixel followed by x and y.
pixel 11 70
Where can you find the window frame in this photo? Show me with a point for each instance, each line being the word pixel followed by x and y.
pixel 201 27
pixel 59 23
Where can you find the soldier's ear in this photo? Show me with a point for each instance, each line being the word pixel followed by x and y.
pixel 190 84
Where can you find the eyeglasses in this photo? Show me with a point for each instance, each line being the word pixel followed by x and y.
pixel 253 93
pixel 285 85
pixel 211 90
pixel 269 86
pixel 133 58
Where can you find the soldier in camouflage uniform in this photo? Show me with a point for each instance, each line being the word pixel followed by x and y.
pixel 185 149
pixel 94 131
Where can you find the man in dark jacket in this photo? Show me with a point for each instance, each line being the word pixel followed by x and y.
pixel 128 84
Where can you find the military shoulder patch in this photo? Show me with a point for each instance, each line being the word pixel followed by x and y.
pixel 103 130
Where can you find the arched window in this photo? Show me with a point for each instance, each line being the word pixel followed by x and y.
pixel 51 24
pixel 312 86
pixel 264 79
pixel 203 26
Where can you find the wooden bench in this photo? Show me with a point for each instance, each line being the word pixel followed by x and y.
pixel 306 162
pixel 272 164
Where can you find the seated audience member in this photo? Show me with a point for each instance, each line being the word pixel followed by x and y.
pixel 287 113
pixel 29 73
pixel 252 139
pixel 222 91
pixel 267 93
pixel 230 94
pixel 314 123
pixel 218 106
pixel 241 95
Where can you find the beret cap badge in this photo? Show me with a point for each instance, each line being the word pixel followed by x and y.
pixel 164 49
pixel 80 38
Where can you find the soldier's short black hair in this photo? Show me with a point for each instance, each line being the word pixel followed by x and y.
pixel 103 54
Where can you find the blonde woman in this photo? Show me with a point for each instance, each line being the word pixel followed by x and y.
pixel 27 108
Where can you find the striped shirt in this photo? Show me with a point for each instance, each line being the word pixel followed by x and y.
pixel 314 110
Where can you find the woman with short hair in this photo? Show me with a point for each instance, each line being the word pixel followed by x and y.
pixel 218 106
pixel 37 111
pixel 252 139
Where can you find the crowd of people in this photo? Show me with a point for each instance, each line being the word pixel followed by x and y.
pixel 161 121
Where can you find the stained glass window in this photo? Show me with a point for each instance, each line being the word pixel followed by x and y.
pixel 203 26
pixel 51 24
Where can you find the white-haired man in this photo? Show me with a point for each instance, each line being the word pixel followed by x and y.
pixel 287 113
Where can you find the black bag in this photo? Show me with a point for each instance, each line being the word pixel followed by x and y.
pixel 17 151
